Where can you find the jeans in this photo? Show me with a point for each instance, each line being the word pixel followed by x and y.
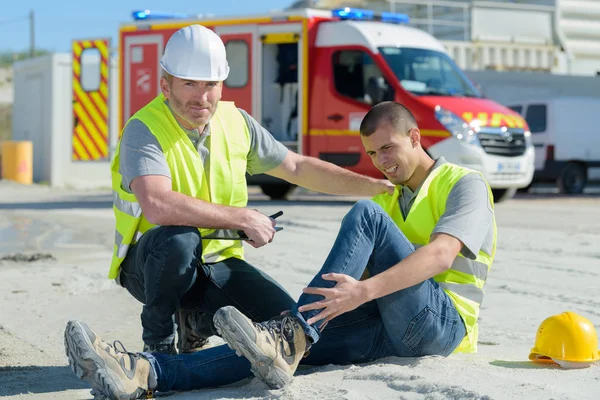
pixel 163 271
pixel 416 321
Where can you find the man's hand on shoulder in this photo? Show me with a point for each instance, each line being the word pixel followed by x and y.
pixel 386 186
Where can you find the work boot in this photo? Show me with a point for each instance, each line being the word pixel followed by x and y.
pixel 274 348
pixel 112 373
pixel 193 330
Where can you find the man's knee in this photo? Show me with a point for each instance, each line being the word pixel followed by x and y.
pixel 176 238
pixel 176 247
pixel 363 208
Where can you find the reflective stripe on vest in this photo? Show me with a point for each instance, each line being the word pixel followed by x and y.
pixel 130 208
pixel 461 264
pixel 467 291
pixel 121 247
pixel 478 269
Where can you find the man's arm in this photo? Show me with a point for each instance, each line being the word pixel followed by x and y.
pixel 321 176
pixel 146 174
pixel 163 206
pixel 426 262
pixel 269 156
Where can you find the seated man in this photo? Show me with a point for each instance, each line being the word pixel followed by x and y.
pixel 423 252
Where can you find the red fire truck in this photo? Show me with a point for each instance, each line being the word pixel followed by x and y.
pixel 309 76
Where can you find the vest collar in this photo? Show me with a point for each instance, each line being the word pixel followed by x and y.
pixel 438 162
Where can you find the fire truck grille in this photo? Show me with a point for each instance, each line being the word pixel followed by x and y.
pixel 510 143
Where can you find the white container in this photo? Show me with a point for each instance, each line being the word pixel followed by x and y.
pixel 43 113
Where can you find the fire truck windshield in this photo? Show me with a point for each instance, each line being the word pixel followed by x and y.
pixel 428 72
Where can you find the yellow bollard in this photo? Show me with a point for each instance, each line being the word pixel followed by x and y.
pixel 17 161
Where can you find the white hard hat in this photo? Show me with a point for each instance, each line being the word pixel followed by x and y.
pixel 195 53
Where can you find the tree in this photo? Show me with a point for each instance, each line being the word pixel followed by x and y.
pixel 7 58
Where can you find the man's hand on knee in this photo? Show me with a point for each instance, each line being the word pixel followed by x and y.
pixel 346 295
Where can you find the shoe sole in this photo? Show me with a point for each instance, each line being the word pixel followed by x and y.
pixel 261 365
pixel 88 365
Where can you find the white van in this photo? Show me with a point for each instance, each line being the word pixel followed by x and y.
pixel 565 133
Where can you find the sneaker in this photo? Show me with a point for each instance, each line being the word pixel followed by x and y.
pixel 112 373
pixel 274 348
pixel 165 348
pixel 193 330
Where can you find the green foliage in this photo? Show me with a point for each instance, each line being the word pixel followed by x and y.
pixel 8 57
pixel 5 121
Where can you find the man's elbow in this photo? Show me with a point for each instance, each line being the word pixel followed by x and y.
pixel 289 169
pixel 445 264
pixel 293 166
pixel 444 248
pixel 153 211
pixel 445 256
pixel 152 215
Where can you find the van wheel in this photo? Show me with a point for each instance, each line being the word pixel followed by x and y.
pixel 572 179
pixel 277 191
pixel 501 195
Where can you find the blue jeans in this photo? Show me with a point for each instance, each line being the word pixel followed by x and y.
pixel 417 321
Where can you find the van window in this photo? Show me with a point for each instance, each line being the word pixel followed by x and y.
pixel 536 117
pixel 518 109
pixel 355 75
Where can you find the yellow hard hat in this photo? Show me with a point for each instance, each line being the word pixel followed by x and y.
pixel 568 339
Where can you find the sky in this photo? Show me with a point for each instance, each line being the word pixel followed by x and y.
pixel 58 22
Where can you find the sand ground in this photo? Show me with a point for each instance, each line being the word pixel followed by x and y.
pixel 55 246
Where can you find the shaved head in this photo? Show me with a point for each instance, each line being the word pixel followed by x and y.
pixel 390 113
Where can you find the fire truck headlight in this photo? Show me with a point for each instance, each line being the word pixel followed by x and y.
pixel 457 126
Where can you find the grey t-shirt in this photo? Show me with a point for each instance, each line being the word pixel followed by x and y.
pixel 141 153
pixel 468 216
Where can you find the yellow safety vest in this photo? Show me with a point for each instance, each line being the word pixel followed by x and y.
pixel 229 147
pixel 464 281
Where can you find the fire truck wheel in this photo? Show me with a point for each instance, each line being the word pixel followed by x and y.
pixel 277 191
pixel 572 179
pixel 501 195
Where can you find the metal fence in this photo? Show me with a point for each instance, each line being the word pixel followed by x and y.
pixel 443 19
pixel 451 19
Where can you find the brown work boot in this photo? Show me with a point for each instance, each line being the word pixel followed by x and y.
pixel 112 373
pixel 193 330
pixel 274 348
